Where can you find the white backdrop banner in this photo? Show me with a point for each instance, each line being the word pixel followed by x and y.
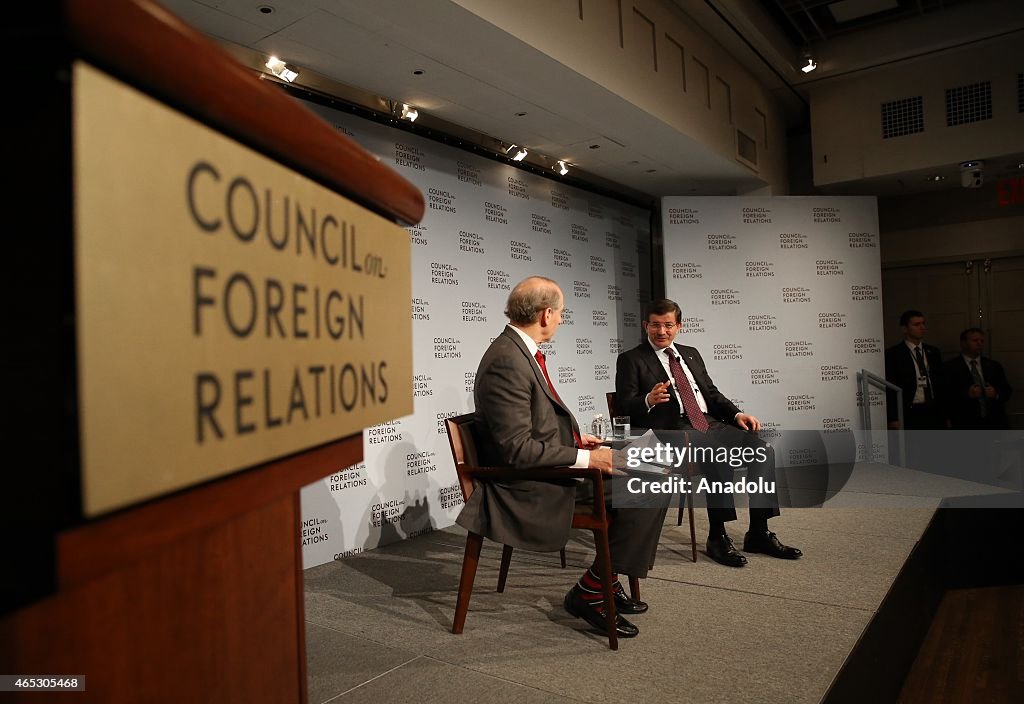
pixel 488 225
pixel 782 296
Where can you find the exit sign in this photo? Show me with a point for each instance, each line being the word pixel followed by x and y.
pixel 1010 191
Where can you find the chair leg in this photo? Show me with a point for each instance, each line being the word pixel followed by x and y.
pixel 693 532
pixel 561 554
pixel 634 589
pixel 474 542
pixel 679 515
pixel 506 559
pixel 604 561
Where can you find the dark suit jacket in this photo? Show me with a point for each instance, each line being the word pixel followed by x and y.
pixel 900 370
pixel 638 370
pixel 964 411
pixel 520 424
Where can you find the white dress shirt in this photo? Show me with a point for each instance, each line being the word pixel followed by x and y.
pixel 922 374
pixel 663 358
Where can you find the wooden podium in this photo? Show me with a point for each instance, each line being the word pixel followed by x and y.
pixel 160 556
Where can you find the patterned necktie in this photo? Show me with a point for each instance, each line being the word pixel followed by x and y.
pixel 922 369
pixel 976 375
pixel 690 405
pixel 544 368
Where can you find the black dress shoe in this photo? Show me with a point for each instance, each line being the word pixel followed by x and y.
pixel 595 615
pixel 768 544
pixel 722 551
pixel 624 604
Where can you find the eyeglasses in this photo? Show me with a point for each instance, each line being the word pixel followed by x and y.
pixel 659 326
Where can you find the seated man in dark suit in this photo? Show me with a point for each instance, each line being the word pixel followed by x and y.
pixel 523 423
pixel 977 388
pixel 665 386
pixel 916 368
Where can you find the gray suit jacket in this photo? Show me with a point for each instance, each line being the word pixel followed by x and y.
pixel 520 423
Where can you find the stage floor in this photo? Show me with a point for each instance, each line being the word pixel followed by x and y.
pixel 378 624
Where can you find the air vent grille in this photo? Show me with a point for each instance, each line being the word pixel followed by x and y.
pixel 904 116
pixel 972 103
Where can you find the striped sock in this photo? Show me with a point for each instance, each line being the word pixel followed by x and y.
pixel 589 587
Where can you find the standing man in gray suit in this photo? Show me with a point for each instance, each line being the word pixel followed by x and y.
pixel 522 422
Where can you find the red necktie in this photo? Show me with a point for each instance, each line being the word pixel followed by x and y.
pixel 544 368
pixel 690 405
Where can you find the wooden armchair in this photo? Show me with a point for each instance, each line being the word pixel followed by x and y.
pixel 691 470
pixel 593 518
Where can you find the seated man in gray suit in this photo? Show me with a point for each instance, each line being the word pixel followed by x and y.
pixel 523 423
pixel 666 386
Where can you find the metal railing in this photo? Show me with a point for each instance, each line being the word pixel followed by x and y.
pixel 865 380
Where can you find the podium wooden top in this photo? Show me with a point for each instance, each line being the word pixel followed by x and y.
pixel 141 42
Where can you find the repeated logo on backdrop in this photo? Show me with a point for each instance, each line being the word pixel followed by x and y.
pixel 487 226
pixel 782 296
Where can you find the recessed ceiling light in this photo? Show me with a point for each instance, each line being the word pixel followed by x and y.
pixel 280 69
pixel 651 171
pixel 936 177
pixel 520 114
pixel 595 146
pixel 409 112
pixel 418 72
pixel 266 9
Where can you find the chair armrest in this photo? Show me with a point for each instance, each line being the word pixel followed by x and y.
pixel 598 515
pixel 541 473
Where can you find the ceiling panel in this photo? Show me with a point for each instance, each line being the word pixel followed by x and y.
pixel 249 11
pixel 216 23
pixel 474 75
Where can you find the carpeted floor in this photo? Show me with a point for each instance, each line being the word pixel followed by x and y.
pixel 378 624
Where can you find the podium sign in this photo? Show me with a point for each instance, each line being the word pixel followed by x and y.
pixel 229 311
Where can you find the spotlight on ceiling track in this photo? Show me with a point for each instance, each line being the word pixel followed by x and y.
pixel 562 168
pixel 810 65
pixel 281 70
pixel 409 113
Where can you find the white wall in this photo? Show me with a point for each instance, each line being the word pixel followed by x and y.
pixel 846 121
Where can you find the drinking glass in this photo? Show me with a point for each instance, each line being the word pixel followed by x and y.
pixel 620 427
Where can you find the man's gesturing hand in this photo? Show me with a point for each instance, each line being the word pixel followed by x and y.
pixel 659 394
pixel 748 422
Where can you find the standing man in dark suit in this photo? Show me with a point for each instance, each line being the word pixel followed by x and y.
pixel 977 387
pixel 666 386
pixel 917 369
pixel 523 423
